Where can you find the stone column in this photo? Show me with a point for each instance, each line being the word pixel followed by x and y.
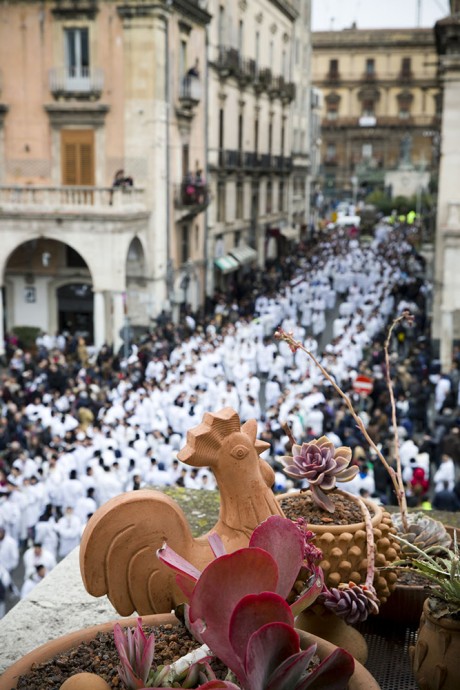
pixel 447 331
pixel 2 333
pixel 99 319
pixel 447 251
pixel 118 318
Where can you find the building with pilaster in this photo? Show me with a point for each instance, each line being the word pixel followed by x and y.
pixel 446 307
pixel 381 106
pixel 256 50
pixel 89 89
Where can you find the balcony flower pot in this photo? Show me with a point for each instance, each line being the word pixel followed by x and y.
pixel 437 651
pixel 360 680
pixel 344 546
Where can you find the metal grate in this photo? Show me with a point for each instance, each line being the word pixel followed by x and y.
pixel 389 660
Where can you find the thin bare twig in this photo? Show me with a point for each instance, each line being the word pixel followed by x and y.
pixel 297 345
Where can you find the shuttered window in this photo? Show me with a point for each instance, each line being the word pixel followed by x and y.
pixel 77 147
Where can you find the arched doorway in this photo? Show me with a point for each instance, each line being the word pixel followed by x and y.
pixel 75 310
pixel 48 286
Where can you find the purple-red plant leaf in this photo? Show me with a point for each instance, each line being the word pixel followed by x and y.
pixel 291 672
pixel 221 586
pixel 177 563
pixel 311 592
pixel 136 652
pixel 333 673
pixel 251 613
pixel 268 647
pixel 321 499
pixel 285 542
pixel 186 584
pixel 216 544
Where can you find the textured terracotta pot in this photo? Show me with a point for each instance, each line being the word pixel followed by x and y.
pixel 435 657
pixel 405 604
pixel 344 549
pixel 318 621
pixel 361 679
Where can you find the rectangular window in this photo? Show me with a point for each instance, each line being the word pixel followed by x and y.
pixel 257 48
pixel 239 200
pixel 370 67
pixel 366 151
pixel 281 196
pixel 221 202
pixel 241 37
pixel 77 157
pixel 221 26
pixel 185 160
pixel 184 254
pixel 77 59
pixel 333 68
pixel 256 135
pixel 182 59
pixel 368 109
pixel 269 204
pixel 406 67
pixel 331 153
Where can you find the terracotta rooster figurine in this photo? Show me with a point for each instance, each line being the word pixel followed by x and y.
pixel 118 548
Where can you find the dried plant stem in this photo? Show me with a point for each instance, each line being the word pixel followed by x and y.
pixel 370 543
pixel 400 493
pixel 297 345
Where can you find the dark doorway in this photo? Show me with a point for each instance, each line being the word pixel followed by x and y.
pixel 75 310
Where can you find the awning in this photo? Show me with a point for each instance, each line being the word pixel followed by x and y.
pixel 290 233
pixel 226 263
pixel 244 254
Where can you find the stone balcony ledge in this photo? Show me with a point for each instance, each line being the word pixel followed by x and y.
pixel 58 605
pixel 33 199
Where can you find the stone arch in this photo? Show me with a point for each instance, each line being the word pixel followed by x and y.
pixel 34 272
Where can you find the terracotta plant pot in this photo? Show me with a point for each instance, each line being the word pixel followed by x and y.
pixel 361 679
pixel 405 604
pixel 318 621
pixel 435 657
pixel 9 679
pixel 344 549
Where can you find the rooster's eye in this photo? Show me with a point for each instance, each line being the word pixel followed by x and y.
pixel 239 452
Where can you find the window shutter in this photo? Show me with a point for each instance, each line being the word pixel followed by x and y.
pixel 77 152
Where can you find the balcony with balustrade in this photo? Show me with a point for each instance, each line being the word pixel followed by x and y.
pixel 82 83
pixel 37 200
pixel 190 94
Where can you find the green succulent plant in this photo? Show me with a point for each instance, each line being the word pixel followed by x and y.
pixel 442 571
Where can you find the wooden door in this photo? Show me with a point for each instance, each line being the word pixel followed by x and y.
pixel 77 155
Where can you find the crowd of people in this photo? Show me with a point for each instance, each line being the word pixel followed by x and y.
pixel 78 429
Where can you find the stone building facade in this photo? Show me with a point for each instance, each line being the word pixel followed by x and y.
pixel 204 106
pixel 89 88
pixel 258 79
pixel 381 105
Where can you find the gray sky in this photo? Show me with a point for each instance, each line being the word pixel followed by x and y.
pixel 374 14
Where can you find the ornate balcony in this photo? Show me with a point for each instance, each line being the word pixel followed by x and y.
pixel 35 199
pixel 190 93
pixel 190 199
pixel 83 83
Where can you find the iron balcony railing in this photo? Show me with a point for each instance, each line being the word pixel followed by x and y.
pixel 77 80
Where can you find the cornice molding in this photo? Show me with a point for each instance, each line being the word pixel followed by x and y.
pixel 62 115
pixel 287 8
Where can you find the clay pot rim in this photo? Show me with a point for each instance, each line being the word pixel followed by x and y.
pixel 361 679
pixel 443 622
pixel 375 510
pixel 46 651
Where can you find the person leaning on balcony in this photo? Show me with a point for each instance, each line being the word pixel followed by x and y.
pixel 194 71
pixel 199 186
pixel 121 180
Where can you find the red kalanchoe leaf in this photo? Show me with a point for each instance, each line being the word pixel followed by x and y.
pixel 251 613
pixel 285 542
pixel 227 580
pixel 289 673
pixel 267 649
pixel 333 673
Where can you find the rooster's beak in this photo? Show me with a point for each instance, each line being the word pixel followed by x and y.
pixel 260 446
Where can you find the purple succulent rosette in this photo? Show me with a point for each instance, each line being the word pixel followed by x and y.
pixel 351 602
pixel 322 465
